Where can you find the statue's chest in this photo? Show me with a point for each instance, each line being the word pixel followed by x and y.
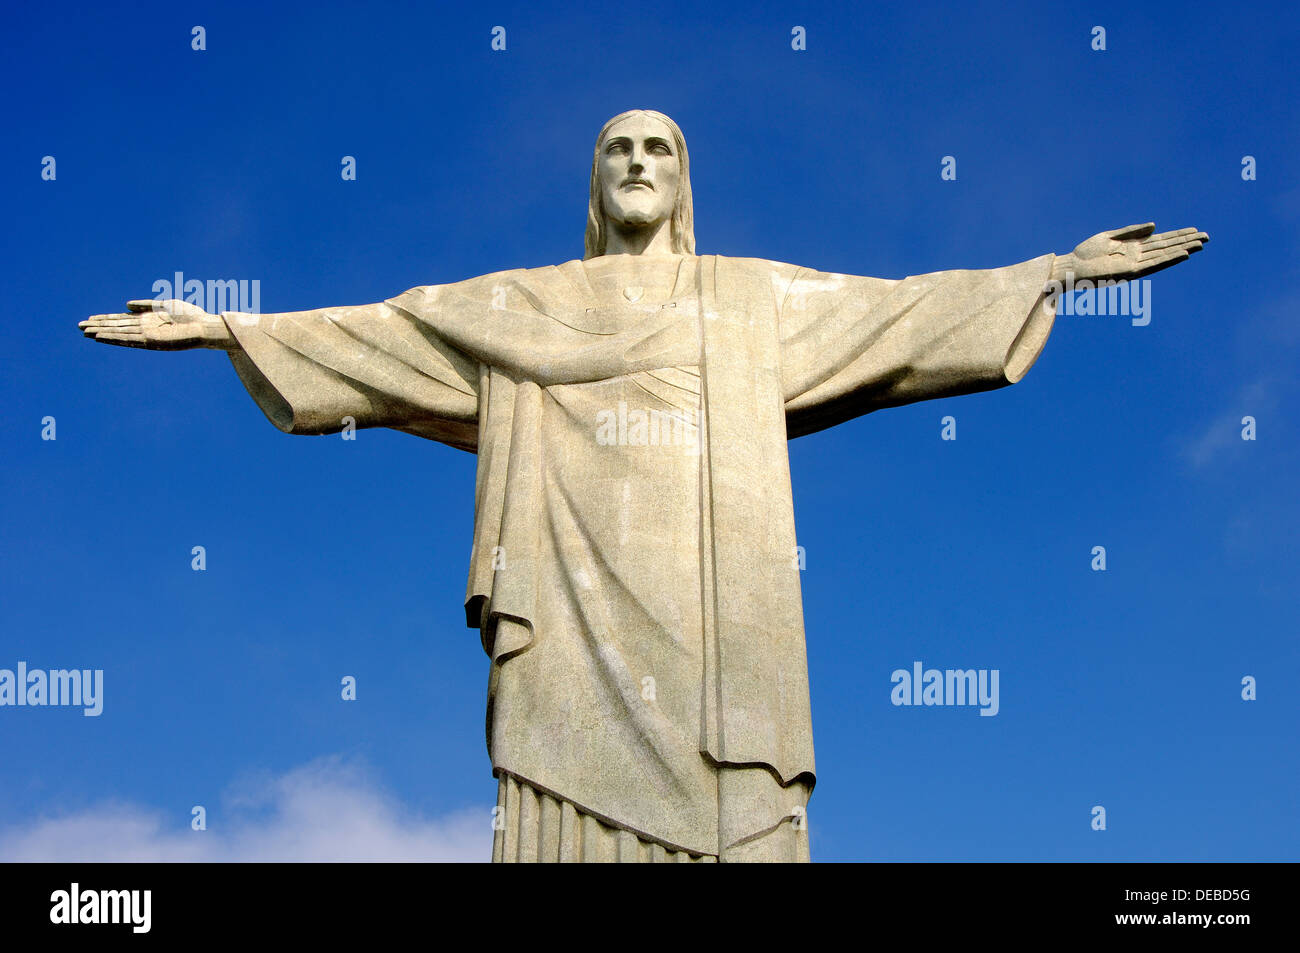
pixel 632 278
pixel 633 290
pixel 625 297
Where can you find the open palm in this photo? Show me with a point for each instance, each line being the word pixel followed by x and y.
pixel 169 325
pixel 1134 252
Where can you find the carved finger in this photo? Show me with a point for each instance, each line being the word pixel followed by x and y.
pixel 112 320
pixel 1163 248
pixel 1188 244
pixel 118 337
pixel 148 304
pixel 1160 264
pixel 1155 240
pixel 1184 233
pixel 1132 231
pixel 100 332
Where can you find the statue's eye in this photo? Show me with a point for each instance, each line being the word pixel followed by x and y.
pixel 661 149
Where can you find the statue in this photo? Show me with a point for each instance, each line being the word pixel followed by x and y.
pixel 633 575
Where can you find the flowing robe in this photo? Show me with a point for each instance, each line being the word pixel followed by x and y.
pixel 633 574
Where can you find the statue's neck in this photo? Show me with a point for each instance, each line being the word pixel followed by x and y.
pixel 652 240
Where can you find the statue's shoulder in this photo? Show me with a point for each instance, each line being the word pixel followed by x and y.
pixel 779 276
pixel 759 267
pixel 479 286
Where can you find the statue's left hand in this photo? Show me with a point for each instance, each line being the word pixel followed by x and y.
pixel 1132 252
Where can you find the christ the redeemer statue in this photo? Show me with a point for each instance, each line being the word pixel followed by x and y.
pixel 633 575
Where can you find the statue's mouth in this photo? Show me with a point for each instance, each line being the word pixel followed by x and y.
pixel 628 182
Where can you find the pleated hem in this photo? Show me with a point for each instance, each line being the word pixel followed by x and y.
pixel 531 826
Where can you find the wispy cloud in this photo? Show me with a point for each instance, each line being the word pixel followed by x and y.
pixel 327 810
pixel 1263 359
pixel 1256 398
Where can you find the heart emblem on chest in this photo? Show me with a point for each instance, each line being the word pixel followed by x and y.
pixel 633 293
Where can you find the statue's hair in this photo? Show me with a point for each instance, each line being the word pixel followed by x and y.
pixel 682 224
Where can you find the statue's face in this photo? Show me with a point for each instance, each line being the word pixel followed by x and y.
pixel 638 170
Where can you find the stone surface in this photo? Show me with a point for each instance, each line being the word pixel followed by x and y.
pixel 633 574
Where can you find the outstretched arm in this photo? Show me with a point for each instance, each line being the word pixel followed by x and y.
pixel 851 345
pixel 322 371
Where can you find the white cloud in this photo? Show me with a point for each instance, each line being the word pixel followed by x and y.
pixel 324 811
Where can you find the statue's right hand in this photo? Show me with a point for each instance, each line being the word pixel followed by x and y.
pixel 161 325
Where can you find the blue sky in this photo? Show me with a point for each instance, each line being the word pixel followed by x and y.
pixel 1119 688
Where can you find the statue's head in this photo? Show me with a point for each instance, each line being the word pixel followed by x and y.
pixel 640 177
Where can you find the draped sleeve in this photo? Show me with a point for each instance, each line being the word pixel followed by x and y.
pixel 851 345
pixel 374 365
